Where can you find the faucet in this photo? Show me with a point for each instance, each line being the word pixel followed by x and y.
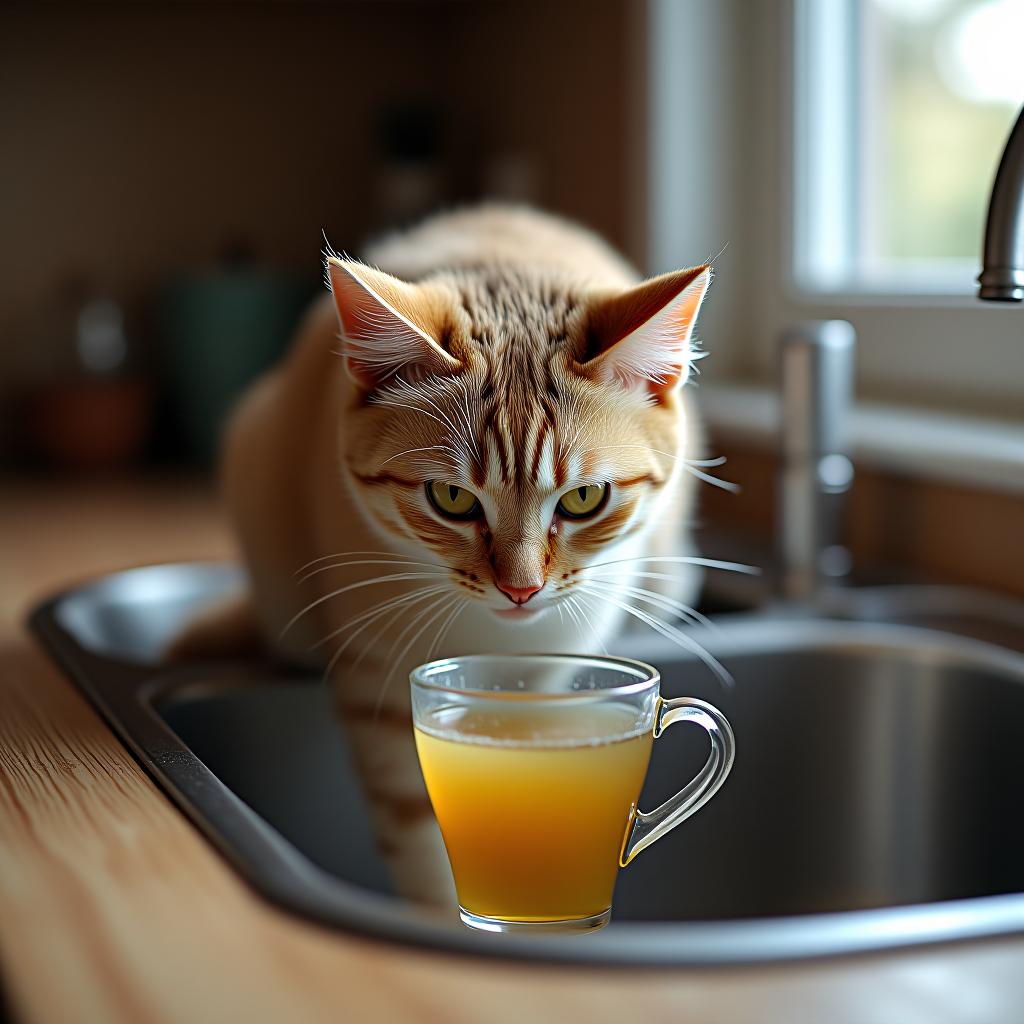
pixel 1002 273
pixel 816 388
pixel 815 472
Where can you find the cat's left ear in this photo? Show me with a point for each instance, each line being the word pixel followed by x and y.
pixel 387 325
pixel 643 337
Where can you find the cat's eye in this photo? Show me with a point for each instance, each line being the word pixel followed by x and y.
pixel 582 502
pixel 452 501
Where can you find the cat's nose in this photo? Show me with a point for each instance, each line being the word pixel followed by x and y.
pixel 519 595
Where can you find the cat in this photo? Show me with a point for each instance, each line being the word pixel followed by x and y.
pixel 477 443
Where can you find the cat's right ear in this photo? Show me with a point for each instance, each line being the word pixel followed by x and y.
pixel 387 325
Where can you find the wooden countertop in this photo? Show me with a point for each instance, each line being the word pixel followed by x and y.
pixel 114 909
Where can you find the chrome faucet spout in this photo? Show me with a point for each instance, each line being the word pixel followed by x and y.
pixel 1002 273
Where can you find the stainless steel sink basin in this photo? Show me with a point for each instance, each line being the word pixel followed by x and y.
pixel 959 610
pixel 879 768
pixel 963 611
pixel 873 802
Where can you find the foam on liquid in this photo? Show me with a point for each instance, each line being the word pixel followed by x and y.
pixel 536 724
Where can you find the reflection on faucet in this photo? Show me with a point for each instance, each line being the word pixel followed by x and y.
pixel 816 387
pixel 1002 273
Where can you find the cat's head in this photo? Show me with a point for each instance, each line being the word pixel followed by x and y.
pixel 509 430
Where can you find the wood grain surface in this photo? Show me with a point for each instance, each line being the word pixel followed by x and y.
pixel 114 910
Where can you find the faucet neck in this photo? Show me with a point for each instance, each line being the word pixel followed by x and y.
pixel 1002 274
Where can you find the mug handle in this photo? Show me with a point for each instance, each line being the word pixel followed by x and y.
pixel 647 826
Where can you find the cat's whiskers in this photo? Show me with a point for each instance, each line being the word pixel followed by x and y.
pixel 409 626
pixel 356 554
pixel 376 581
pixel 691 466
pixel 468 417
pixel 428 448
pixel 398 563
pixel 396 606
pixel 666 630
pixel 437 613
pixel 711 563
pixel 566 455
pixel 576 599
pixel 465 442
pixel 563 603
pixel 438 470
pixel 663 601
pixel 633 573
pixel 391 402
pixel 389 624
pixel 445 627
pixel 574 606
pixel 462 411
pixel 458 442
pixel 375 611
pixel 571 611
pixel 714 481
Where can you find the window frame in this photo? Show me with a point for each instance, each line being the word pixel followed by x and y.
pixel 951 352
pixel 834 164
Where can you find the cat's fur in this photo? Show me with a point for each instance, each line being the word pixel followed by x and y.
pixel 501 349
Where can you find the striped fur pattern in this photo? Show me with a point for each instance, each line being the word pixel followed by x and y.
pixel 511 354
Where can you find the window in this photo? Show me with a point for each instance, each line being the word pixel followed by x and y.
pixel 843 151
pixel 901 111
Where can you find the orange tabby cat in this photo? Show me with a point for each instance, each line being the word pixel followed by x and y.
pixel 474 463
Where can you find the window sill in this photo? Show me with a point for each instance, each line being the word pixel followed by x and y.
pixel 964 450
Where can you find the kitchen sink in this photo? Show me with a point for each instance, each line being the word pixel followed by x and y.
pixel 960 610
pixel 873 802
pixel 963 611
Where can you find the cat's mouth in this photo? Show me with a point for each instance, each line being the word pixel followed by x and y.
pixel 520 613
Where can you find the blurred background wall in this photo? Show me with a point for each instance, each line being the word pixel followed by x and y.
pixel 155 150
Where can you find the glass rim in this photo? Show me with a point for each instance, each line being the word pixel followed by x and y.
pixel 651 676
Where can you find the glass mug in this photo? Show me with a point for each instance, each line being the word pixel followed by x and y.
pixel 534 765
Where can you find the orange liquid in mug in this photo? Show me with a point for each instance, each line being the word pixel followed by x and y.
pixel 534 804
